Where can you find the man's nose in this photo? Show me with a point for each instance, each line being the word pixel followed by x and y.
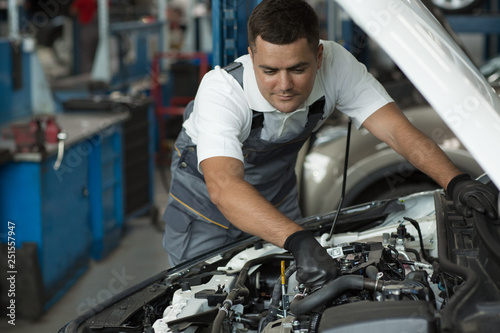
pixel 285 81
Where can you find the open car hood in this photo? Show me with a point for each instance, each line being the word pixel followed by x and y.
pixel 439 69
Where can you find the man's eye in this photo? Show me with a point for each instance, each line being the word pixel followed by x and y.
pixel 269 72
pixel 298 70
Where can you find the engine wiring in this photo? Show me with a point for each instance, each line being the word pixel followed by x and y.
pixel 426 257
pixel 372 271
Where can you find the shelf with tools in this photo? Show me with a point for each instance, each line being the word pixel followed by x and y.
pixel 61 184
pixel 68 209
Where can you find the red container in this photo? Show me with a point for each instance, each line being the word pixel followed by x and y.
pixel 27 136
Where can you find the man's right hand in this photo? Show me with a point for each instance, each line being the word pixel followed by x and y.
pixel 469 194
pixel 315 267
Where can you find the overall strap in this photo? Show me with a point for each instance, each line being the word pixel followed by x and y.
pixel 236 70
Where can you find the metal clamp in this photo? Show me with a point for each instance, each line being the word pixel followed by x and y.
pixel 61 137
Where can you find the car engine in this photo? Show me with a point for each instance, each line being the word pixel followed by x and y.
pixel 405 265
pixel 264 296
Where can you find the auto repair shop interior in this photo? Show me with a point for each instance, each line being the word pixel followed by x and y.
pixel 89 111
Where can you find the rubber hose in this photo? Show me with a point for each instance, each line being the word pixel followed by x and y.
pixel 371 272
pixel 330 290
pixel 415 252
pixel 314 323
pixel 427 257
pixel 219 319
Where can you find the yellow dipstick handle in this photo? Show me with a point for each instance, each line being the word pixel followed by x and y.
pixel 282 272
pixel 283 293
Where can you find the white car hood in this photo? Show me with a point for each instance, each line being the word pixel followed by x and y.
pixel 439 69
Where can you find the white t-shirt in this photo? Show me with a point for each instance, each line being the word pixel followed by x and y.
pixel 222 116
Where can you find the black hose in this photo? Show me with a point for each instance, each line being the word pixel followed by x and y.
pixel 314 323
pixel 219 319
pixel 330 290
pixel 401 274
pixel 393 249
pixel 415 252
pixel 252 320
pixel 428 258
pixel 371 272
pixel 445 286
pixel 395 271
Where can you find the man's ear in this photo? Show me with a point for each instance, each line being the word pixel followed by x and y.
pixel 250 52
pixel 320 55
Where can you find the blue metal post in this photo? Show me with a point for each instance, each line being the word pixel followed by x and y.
pixel 217 32
pixel 229 24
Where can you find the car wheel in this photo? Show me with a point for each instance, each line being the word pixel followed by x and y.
pixel 457 6
pixel 397 192
pixel 392 185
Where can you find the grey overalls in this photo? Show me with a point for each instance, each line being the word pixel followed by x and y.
pixel 194 225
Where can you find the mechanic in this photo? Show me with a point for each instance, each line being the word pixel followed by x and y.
pixel 233 170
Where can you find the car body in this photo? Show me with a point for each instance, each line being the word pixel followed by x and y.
pixel 407 264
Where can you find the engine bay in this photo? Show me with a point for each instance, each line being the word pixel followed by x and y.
pixel 264 295
pixel 433 272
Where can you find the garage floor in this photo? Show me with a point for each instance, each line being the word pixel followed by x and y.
pixel 139 256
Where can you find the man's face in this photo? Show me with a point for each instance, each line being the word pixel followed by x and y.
pixel 285 73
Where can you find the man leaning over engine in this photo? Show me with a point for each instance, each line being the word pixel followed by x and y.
pixel 233 169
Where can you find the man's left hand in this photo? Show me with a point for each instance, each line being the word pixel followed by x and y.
pixel 469 194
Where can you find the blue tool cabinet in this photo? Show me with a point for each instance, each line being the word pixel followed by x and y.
pixel 106 191
pixel 59 218
pixel 137 146
pixel 72 214
pixel 51 209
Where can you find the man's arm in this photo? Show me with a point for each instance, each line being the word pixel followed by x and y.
pixel 242 204
pixel 249 211
pixel 390 125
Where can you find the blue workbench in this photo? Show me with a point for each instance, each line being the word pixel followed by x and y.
pixel 74 213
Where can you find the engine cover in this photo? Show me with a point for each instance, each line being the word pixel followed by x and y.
pixel 383 317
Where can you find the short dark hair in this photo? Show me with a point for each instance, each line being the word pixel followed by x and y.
pixel 283 22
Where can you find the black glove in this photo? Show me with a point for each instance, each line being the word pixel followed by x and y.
pixel 315 267
pixel 469 194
